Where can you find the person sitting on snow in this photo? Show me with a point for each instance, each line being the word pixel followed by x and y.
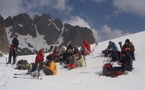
pixel 50 68
pixel 69 48
pixel 62 49
pixel 39 58
pixel 111 49
pixel 79 58
pixel 56 54
pixel 66 57
pixel 87 46
pixel 75 49
pixel 76 61
pixel 129 47
pixel 84 50
pixel 125 62
pixel 112 46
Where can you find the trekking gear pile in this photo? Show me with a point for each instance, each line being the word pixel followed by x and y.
pixel 22 65
pixel 109 59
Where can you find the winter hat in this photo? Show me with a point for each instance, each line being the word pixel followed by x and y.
pixel 40 51
pixel 49 57
pixel 110 42
pixel 69 50
pixel 69 46
pixel 79 53
pixel 124 51
pixel 127 41
pixel 15 34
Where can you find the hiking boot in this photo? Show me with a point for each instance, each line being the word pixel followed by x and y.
pixel 65 66
pixel 69 68
pixel 60 63
pixel 125 72
pixel 8 63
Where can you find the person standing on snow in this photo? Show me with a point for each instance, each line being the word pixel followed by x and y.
pixel 13 49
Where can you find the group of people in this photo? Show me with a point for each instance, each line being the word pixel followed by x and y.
pixel 73 57
pixel 126 56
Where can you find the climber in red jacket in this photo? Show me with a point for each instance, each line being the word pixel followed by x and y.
pixel 86 50
pixel 40 57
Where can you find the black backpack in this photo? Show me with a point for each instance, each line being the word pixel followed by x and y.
pixel 22 64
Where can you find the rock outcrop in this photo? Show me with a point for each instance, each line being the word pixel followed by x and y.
pixel 3 38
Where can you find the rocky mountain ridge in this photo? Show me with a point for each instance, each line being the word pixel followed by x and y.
pixel 53 32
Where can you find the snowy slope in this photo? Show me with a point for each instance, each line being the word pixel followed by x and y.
pixel 85 78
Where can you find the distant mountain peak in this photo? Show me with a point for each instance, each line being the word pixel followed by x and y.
pixel 53 32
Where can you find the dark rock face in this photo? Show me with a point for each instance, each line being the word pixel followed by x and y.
pixel 77 34
pixel 58 23
pixel 44 25
pixel 24 51
pixel 3 38
pixel 21 24
pixel 29 44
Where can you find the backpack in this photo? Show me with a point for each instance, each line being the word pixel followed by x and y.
pixel 107 68
pixel 22 65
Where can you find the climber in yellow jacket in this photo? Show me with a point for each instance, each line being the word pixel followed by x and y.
pixel 50 68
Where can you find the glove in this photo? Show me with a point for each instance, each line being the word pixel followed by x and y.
pixel 120 43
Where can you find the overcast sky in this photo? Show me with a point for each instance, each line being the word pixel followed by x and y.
pixel 107 18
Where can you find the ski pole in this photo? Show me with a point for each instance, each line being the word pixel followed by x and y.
pixel 6 61
pixel 94 47
pixel 85 61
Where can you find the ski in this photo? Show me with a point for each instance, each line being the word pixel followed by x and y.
pixel 17 74
pixel 94 48
pixel 27 77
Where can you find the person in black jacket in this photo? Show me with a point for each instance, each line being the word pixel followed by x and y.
pixel 128 45
pixel 126 61
pixel 13 49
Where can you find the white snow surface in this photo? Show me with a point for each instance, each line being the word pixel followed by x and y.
pixel 84 78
